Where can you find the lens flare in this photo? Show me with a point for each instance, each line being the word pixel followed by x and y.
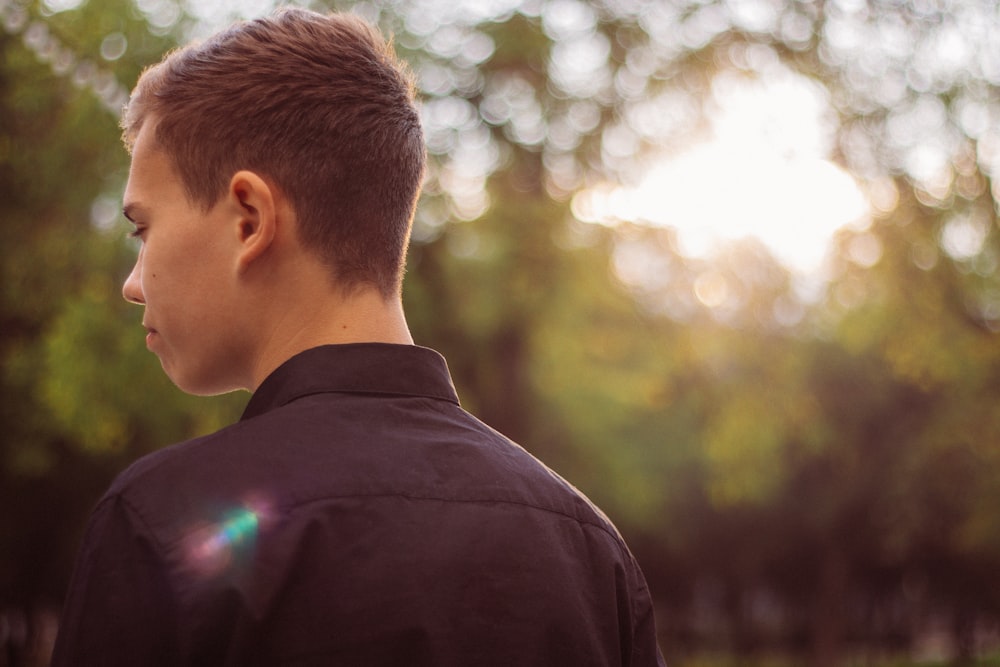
pixel 213 548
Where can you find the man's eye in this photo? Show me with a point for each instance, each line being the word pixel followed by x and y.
pixel 137 233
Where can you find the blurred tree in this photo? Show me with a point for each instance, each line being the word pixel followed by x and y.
pixel 820 418
pixel 792 472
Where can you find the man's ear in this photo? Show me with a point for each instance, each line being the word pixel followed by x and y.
pixel 257 204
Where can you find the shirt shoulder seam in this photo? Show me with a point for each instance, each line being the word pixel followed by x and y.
pixel 594 522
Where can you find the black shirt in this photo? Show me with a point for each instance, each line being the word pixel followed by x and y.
pixel 355 515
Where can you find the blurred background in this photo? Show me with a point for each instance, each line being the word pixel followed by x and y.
pixel 730 266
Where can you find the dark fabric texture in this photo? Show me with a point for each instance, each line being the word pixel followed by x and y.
pixel 355 515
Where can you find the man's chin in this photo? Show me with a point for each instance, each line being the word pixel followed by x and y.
pixel 197 386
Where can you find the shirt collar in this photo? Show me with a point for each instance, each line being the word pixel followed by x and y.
pixel 367 368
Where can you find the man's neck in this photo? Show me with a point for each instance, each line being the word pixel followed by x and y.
pixel 364 316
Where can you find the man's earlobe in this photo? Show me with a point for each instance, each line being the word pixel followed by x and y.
pixel 257 213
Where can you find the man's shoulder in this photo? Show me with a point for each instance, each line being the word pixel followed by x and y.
pixel 167 484
pixel 324 449
pixel 162 464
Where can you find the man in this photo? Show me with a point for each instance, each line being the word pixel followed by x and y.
pixel 355 515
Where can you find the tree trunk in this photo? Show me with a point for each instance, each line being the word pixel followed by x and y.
pixel 829 608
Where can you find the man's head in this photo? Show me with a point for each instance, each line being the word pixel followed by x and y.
pixel 274 173
pixel 320 108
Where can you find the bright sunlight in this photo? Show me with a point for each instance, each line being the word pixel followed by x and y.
pixel 765 172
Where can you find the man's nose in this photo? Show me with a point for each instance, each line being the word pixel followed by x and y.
pixel 132 289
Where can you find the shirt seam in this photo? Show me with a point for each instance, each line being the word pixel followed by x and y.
pixel 477 501
pixel 122 496
pixel 147 529
pixel 159 548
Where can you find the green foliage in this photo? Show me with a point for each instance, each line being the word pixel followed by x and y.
pixel 793 474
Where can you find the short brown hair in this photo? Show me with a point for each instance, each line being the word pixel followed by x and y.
pixel 320 106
